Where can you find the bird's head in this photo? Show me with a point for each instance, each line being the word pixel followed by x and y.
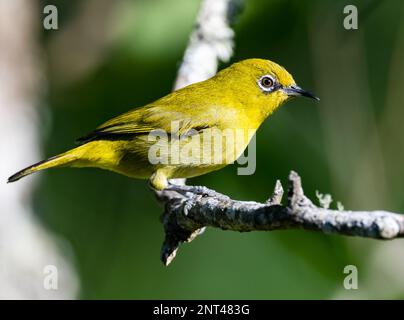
pixel 263 84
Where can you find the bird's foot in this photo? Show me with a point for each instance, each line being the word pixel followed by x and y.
pixel 197 190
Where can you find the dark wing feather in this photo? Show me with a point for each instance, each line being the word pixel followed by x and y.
pixel 143 121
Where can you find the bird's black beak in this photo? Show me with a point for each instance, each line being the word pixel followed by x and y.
pixel 295 90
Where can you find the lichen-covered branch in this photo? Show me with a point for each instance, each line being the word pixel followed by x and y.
pixel 210 42
pixel 189 210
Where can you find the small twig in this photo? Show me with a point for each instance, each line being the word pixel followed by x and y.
pixel 277 195
pixel 187 214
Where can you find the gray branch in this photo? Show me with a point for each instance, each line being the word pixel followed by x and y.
pixel 187 213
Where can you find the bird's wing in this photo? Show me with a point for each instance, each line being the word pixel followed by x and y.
pixel 146 119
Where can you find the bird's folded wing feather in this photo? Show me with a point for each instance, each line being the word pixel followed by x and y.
pixel 145 120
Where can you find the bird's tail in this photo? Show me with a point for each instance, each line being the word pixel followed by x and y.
pixel 64 159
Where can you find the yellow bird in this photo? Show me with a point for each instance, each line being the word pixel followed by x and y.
pixel 150 142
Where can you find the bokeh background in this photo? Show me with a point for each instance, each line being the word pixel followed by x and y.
pixel 109 56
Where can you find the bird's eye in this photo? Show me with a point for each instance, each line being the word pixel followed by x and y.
pixel 266 83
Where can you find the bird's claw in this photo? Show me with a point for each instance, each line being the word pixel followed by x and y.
pixel 197 190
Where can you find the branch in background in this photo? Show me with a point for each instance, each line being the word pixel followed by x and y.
pixel 188 213
pixel 27 249
pixel 210 42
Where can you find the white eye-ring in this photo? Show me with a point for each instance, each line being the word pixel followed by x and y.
pixel 267 83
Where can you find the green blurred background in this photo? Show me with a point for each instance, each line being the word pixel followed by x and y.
pixel 109 56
